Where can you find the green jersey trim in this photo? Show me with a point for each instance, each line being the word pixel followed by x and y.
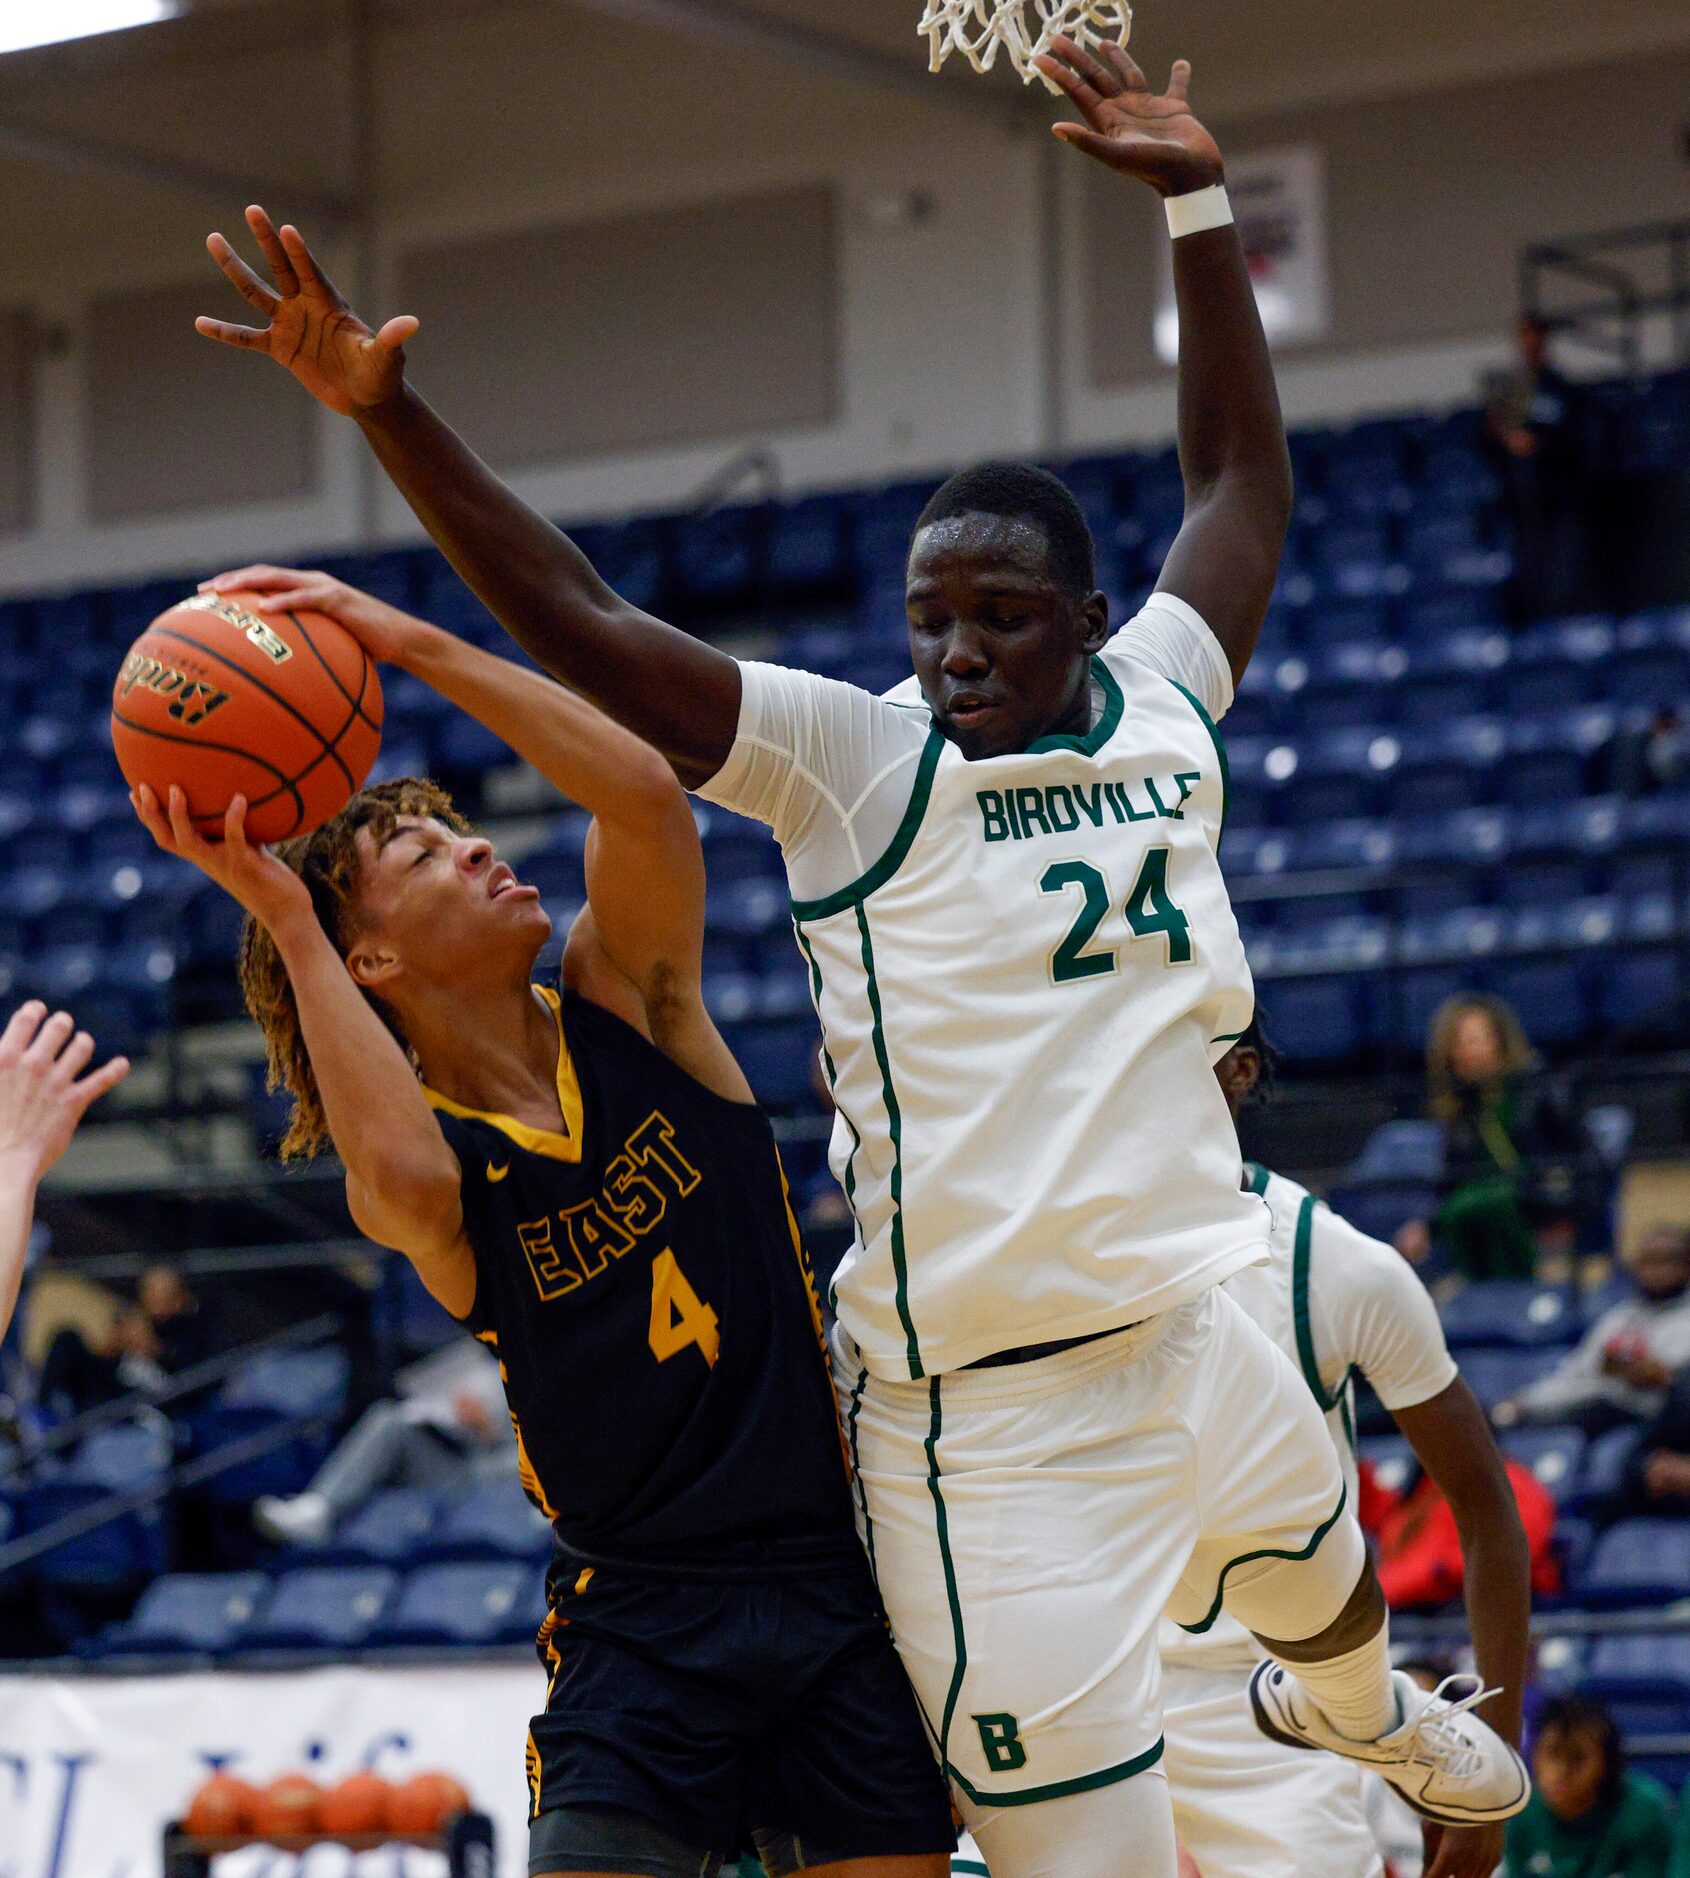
pixel 1259 1178
pixel 1220 748
pixel 959 1640
pixel 1060 1789
pixel 895 1127
pixel 1108 719
pixel 1249 1558
pixel 882 871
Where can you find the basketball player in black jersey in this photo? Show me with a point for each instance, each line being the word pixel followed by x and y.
pixel 581 1176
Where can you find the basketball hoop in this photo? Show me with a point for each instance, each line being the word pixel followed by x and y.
pixel 980 29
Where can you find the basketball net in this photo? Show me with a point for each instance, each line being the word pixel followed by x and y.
pixel 980 29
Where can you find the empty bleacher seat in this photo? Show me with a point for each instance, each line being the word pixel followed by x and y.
pixel 296 1395
pixel 119 1551
pixel 1554 1455
pixel 493 1519
pixel 1496 1375
pixel 462 1605
pixel 1639 1561
pixel 1510 1314
pixel 390 1528
pixel 323 1609
pixel 189 1613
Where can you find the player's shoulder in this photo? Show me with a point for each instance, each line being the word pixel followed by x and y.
pixel 1285 1199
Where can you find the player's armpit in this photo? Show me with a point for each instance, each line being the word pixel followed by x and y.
pixel 423 1218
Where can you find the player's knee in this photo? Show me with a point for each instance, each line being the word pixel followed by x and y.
pixel 1361 1619
pixel 1081 1835
pixel 1303 1602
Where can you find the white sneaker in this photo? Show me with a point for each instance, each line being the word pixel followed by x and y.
pixel 306 1519
pixel 1444 1761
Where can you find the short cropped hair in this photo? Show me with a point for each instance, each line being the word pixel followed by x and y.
pixel 1584 1715
pixel 1020 492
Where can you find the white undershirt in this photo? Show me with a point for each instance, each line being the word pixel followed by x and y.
pixel 830 767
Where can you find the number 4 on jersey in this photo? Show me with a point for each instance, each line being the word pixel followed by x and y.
pixel 1148 909
pixel 679 1317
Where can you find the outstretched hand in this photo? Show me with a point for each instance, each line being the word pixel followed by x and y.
pixel 44 1093
pixel 311 330
pixel 1127 125
pixel 382 630
pixel 267 887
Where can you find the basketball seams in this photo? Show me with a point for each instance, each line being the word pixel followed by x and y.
pixel 285 784
pixel 258 684
pixel 335 678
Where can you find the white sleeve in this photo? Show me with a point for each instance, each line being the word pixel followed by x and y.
pixel 1371 1310
pixel 828 766
pixel 1174 639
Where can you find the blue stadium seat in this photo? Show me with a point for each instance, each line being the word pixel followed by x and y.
pixel 322 1609
pixel 747 908
pixel 1320 1019
pixel 1392 1459
pixel 1495 1375
pixel 464 1606
pixel 1605 1461
pixel 1645 1680
pixel 809 545
pixel 886 521
pixel 122 1551
pixel 1658 675
pixel 272 1394
pixel 1550 996
pixel 189 1613
pixel 391 1528
pixel 1554 1455
pixel 1363 844
pixel 1641 991
pixel 629 556
pixel 1515 1314
pixel 494 1519
pixel 720 556
pixel 1639 1561
pixel 779 1061
pixel 459 746
pixel 1402 1150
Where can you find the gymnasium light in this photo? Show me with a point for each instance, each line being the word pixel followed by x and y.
pixel 26 23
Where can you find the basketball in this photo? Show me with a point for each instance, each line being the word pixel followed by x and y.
pixel 287 1808
pixel 359 1804
pixel 226 699
pixel 222 1809
pixel 426 1802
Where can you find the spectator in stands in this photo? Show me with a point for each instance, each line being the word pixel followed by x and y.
pixel 183 1330
pixel 43 1095
pixel 84 1372
pixel 1539 431
pixel 1589 1815
pixel 450 1425
pixel 1657 1477
pixel 1653 756
pixel 1622 1369
pixel 1517 1160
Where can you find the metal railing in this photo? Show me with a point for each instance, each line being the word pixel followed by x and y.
pixel 1615 279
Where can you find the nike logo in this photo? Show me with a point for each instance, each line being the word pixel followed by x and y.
pixel 497 1173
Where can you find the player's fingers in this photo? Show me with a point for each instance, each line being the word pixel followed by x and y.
pixel 281 265
pixel 20 1029
pixel 234 828
pixel 1179 80
pixel 304 262
pixel 1105 82
pixel 1084 95
pixel 145 805
pixel 241 277
pixel 261 577
pixel 51 1038
pixel 248 338
pixel 75 1057
pixel 99 1082
pixel 187 836
pixel 1126 68
pixel 398 331
pixel 1090 142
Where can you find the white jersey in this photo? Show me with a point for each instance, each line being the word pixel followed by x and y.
pixel 1336 1302
pixel 1022 996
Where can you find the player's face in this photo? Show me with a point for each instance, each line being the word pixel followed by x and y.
pixel 1001 650
pixel 1568 1768
pixel 1661 1265
pixel 444 903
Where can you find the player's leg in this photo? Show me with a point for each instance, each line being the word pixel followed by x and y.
pixel 1246 1807
pixel 1027 1523
pixel 1084 1835
pixel 1283 1553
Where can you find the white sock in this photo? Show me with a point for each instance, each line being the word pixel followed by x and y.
pixel 1354 1691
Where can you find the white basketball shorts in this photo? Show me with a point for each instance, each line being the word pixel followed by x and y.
pixel 1030 1524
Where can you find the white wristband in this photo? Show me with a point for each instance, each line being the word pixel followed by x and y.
pixel 1200 210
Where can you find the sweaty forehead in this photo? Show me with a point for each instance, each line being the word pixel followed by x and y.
pixel 987 543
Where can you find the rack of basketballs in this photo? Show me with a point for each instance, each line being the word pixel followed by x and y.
pixel 363 1812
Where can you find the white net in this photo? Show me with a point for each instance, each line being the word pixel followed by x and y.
pixel 981 29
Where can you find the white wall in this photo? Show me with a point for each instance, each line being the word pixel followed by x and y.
pixel 526 116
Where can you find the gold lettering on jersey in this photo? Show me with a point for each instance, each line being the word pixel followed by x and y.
pixel 554 1273
pixel 638 1186
pixel 1062 808
pixel 192 701
pixel 261 633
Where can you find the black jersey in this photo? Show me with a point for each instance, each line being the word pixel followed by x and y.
pixel 641 1279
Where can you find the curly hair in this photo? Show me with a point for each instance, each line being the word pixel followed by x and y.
pixel 1444 1087
pixel 327 860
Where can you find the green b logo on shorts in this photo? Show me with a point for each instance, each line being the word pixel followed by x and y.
pixel 1000 1738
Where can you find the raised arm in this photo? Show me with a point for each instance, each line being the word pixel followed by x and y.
pixel 677 693
pixel 402 1180
pixel 1237 470
pixel 645 868
pixel 43 1095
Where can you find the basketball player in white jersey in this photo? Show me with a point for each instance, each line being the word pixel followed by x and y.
pixel 1337 1303
pixel 1025 964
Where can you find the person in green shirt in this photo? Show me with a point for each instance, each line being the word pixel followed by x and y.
pixel 1589 1816
pixel 1678 1864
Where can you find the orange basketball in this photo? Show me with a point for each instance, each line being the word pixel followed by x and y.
pixel 426 1802
pixel 359 1804
pixel 227 699
pixel 287 1808
pixel 222 1809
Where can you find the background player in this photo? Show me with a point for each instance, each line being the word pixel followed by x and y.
pixel 1339 1303
pixel 1024 959
pixel 43 1096
pixel 582 1177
